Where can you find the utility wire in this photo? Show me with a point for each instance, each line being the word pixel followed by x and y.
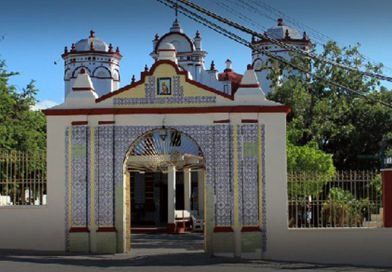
pixel 315 34
pixel 279 43
pixel 233 36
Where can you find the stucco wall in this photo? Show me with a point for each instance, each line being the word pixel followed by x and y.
pixel 41 227
pixel 369 247
pixel 362 246
pixel 29 228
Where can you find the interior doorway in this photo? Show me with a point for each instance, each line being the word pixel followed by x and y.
pixel 166 177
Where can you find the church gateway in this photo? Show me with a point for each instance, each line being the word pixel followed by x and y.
pixel 179 145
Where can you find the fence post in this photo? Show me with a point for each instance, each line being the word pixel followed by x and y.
pixel 386 175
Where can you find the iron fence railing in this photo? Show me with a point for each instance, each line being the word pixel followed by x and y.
pixel 22 178
pixel 350 199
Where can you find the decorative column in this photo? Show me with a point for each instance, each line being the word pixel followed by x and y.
pixel 387 196
pixel 200 193
pixel 171 198
pixel 236 211
pixel 187 189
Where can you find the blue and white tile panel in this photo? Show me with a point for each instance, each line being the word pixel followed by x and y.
pixel 176 98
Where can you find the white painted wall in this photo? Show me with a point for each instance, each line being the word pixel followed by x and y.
pixel 356 246
pixel 32 227
pixel 41 227
pixel 362 246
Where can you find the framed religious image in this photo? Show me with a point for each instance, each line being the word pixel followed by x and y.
pixel 164 86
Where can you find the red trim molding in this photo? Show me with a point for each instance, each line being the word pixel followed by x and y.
pixel 249 86
pixel 106 122
pixel 106 229
pixel 187 110
pixel 251 229
pixel 82 89
pixel 151 72
pixel 223 229
pixel 79 229
pixel 79 123
pixel 166 50
pixel 249 121
pixel 222 121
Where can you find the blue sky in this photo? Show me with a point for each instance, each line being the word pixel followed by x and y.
pixel 33 33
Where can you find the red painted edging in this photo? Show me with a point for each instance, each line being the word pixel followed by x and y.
pixel 188 110
pixel 151 72
pixel 222 121
pixel 106 122
pixel 223 229
pixel 251 229
pixel 106 229
pixel 79 229
pixel 386 175
pixel 79 123
pixel 249 121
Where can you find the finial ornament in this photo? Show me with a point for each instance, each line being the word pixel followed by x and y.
pixel 146 68
pixel 212 67
pixel 287 35
pixel 92 34
pixel 133 79
pixel 110 48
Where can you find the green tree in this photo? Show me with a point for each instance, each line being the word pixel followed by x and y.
pixel 21 128
pixel 309 169
pixel 357 132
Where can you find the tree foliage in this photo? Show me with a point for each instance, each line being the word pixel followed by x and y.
pixel 356 131
pixel 21 128
pixel 309 170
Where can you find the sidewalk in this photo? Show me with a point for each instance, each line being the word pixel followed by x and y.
pixel 152 253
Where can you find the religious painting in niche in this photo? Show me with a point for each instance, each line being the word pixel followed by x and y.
pixel 164 86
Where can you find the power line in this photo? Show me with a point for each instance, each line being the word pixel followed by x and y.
pixel 240 40
pixel 279 43
pixel 317 37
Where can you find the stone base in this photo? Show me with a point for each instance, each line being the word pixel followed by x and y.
pixel 79 242
pixel 251 242
pixel 106 242
pixel 223 242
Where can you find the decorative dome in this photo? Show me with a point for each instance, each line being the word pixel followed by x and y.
pixel 282 31
pixel 166 47
pixel 92 43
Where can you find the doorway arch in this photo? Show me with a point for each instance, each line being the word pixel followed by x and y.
pixel 168 152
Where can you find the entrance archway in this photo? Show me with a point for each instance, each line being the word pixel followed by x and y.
pixel 165 183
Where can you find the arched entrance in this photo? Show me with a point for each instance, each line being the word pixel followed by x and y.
pixel 164 183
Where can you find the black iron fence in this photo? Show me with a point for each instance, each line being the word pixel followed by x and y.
pixel 350 199
pixel 22 178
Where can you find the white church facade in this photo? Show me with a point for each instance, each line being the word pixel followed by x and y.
pixel 180 142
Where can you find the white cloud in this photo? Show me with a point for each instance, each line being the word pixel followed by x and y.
pixel 44 104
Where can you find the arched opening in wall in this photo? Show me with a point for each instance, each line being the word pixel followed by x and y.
pixel 164 186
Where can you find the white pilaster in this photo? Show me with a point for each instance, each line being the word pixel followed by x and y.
pixel 187 189
pixel 171 193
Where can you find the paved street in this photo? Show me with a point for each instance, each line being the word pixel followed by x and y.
pixel 152 253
